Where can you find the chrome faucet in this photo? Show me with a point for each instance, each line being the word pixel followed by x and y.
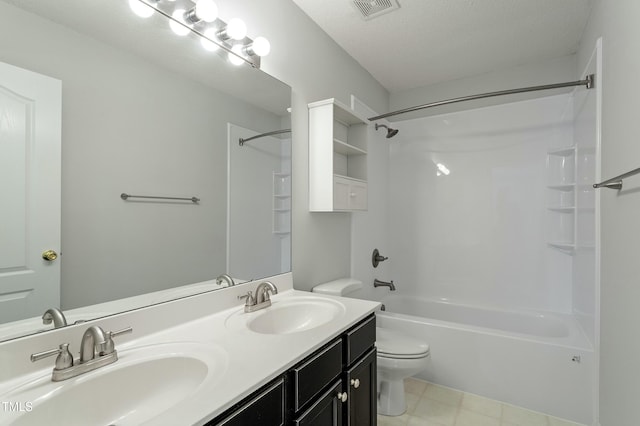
pixel 97 350
pixel 378 283
pixel 94 340
pixel 56 316
pixel 261 299
pixel 225 278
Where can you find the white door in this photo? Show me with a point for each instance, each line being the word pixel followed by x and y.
pixel 30 133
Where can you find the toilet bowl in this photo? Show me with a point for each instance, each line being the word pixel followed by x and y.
pixel 399 357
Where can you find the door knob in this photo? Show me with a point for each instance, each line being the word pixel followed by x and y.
pixel 49 255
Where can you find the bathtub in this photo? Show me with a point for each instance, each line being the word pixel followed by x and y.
pixel 540 361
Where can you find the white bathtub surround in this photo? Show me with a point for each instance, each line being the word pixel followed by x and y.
pixel 471 221
pixel 434 405
pixel 525 359
pixel 489 213
pixel 200 320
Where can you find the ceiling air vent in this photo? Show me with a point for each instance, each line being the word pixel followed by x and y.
pixel 370 9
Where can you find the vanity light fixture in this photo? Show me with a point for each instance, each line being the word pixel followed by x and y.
pixel 260 47
pixel 201 18
pixel 142 9
pixel 236 55
pixel 204 10
pixel 236 29
pixel 207 44
pixel 178 24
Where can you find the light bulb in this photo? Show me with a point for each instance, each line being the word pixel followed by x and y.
pixel 141 8
pixel 180 30
pixel 206 10
pixel 237 49
pixel 236 29
pixel 260 46
pixel 208 44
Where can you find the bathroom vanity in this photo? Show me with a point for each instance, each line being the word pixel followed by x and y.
pixel 202 360
pixel 336 385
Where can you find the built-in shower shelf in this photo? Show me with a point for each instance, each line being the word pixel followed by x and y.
pixel 564 246
pixel 563 152
pixel 563 187
pixel 562 209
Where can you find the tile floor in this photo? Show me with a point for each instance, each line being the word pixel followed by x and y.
pixel 433 405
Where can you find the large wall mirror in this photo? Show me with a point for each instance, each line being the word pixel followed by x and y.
pixel 143 112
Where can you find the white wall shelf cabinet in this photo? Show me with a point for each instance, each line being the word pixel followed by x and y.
pixel 337 158
pixel 561 199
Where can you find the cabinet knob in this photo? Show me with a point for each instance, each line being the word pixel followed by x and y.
pixel 342 396
pixel 355 383
pixel 352 194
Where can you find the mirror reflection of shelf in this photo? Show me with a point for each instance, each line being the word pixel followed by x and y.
pixel 281 203
pixel 563 246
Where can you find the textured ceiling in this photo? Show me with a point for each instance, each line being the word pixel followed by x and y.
pixel 431 41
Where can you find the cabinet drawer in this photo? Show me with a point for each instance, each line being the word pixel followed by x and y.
pixel 315 374
pixel 264 409
pixel 326 411
pixel 359 340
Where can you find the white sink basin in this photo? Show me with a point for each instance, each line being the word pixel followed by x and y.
pixel 290 316
pixel 140 386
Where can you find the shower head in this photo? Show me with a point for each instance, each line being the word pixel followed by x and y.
pixel 390 132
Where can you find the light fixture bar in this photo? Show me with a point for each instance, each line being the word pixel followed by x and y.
pixel 252 58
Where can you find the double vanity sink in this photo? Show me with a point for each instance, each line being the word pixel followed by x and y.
pixel 186 374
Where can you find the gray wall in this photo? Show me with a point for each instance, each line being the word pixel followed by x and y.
pixel 617 23
pixel 129 126
pixel 308 60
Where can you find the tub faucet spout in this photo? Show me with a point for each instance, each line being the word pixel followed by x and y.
pixel 378 283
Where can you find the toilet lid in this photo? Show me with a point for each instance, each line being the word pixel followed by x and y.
pixel 397 345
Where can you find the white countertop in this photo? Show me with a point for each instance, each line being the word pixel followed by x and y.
pixel 246 360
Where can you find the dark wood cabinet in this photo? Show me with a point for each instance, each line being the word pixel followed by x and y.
pixel 328 410
pixel 334 386
pixel 362 397
pixel 265 408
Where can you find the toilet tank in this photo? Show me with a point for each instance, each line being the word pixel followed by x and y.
pixel 340 287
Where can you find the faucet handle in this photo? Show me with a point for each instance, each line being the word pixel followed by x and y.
pixel 109 346
pixel 250 300
pixel 64 359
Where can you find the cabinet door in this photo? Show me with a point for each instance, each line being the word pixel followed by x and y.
pixel 349 194
pixel 358 196
pixel 362 398
pixel 340 194
pixel 326 411
pixel 265 409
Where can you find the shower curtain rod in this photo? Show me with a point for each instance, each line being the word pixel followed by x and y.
pixel 262 135
pixel 588 82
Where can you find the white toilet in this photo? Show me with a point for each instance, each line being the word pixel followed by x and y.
pixel 399 356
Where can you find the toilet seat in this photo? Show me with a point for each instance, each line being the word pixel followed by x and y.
pixel 396 345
